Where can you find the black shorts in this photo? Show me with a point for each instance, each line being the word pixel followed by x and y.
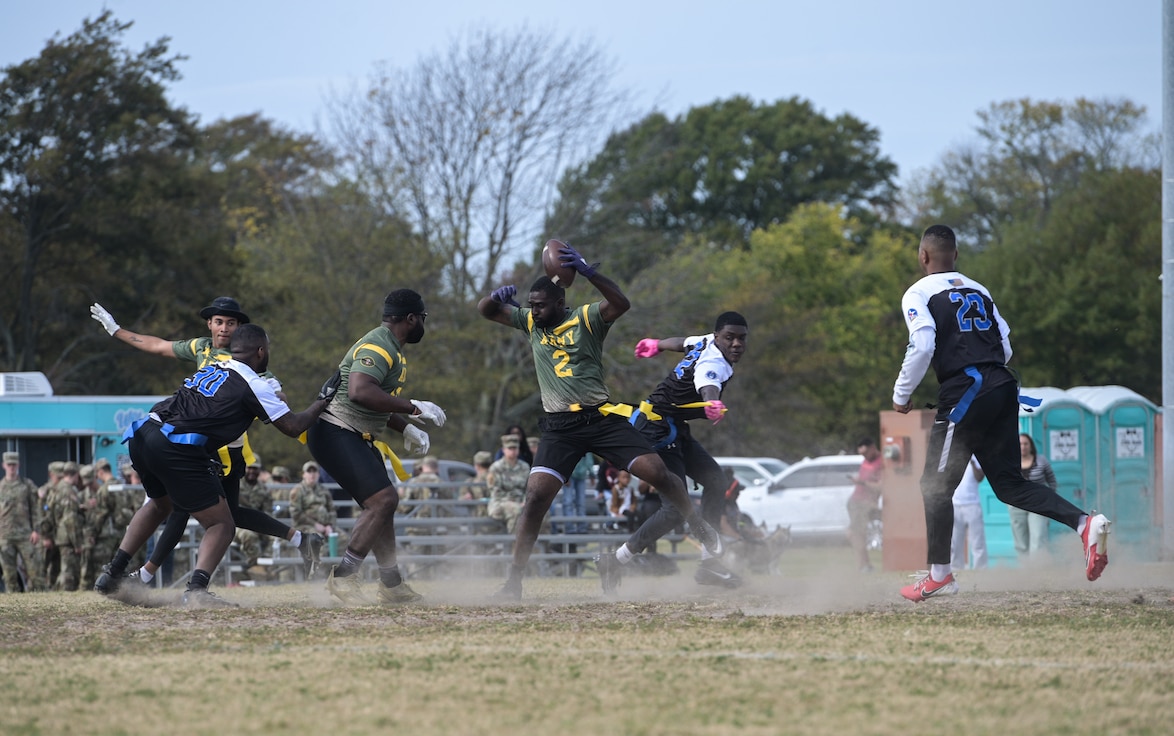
pixel 568 437
pixel 186 474
pixel 353 462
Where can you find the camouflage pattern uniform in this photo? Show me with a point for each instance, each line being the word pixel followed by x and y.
pixel 42 556
pixel 18 503
pixel 253 496
pixel 417 489
pixel 100 535
pixel 309 504
pixel 506 485
pixel 63 524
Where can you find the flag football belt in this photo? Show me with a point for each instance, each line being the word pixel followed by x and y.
pixel 167 430
pixel 397 465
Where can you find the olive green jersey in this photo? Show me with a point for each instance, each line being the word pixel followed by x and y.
pixel 200 351
pixel 378 355
pixel 568 358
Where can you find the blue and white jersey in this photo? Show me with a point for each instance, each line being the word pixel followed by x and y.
pixel 220 401
pixel 953 325
pixel 703 365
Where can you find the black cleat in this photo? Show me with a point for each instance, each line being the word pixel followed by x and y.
pixel 610 571
pixel 712 572
pixel 107 583
pixel 204 598
pixel 707 535
pixel 310 548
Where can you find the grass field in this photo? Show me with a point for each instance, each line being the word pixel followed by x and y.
pixel 817 650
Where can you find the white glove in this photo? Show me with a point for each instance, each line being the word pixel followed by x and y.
pixel 428 411
pixel 273 384
pixel 416 439
pixel 98 312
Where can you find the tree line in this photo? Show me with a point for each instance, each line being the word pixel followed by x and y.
pixel 448 176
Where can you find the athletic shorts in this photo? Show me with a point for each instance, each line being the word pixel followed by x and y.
pixel 353 462
pixel 567 437
pixel 186 474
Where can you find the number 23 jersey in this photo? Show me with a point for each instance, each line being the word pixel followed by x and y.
pixel 968 331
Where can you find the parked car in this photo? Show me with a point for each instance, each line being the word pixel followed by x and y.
pixel 754 471
pixel 450 471
pixel 810 497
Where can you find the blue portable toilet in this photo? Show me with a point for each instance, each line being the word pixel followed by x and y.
pixel 1126 465
pixel 1063 429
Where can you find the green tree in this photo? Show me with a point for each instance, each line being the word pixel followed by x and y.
pixel 96 198
pixel 720 171
pixel 1082 292
pixel 1027 155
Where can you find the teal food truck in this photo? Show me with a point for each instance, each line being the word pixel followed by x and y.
pixel 43 427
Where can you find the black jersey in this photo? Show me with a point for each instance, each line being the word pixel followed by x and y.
pixel 703 365
pixel 220 401
pixel 967 332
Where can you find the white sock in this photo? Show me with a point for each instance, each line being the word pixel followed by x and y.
pixel 938 573
pixel 623 554
pixel 297 539
pixel 146 575
pixel 1083 523
pixel 705 555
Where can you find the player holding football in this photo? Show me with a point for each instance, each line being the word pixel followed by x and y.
pixel 568 358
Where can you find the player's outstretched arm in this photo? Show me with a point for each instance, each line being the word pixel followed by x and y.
pixel 293 424
pixel 146 343
pixel 615 303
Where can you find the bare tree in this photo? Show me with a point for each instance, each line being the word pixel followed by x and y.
pixel 467 145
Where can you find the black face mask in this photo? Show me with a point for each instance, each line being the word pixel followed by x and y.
pixel 416 335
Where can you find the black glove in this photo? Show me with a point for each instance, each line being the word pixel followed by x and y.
pixel 330 388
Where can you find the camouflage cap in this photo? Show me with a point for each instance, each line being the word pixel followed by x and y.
pixel 256 462
pixel 280 471
pixel 69 468
pixel 482 458
pixel 101 463
pixel 11 457
pixel 511 440
pixel 86 472
pixel 309 465
pixel 57 466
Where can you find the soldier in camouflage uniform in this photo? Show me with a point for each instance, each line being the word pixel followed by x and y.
pixel 129 501
pixel 254 495
pixel 506 483
pixel 311 505
pixel 477 491
pixel 100 533
pixel 62 525
pixel 417 489
pixel 45 558
pixel 18 503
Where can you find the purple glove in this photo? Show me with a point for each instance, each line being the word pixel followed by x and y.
pixel 570 257
pixel 505 295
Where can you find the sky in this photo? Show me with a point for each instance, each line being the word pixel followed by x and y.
pixel 917 71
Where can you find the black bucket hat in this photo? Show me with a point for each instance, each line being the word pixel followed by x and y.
pixel 226 306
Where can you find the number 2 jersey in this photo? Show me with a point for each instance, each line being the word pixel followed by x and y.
pixel 703 365
pixel 220 401
pixel 568 358
pixel 953 325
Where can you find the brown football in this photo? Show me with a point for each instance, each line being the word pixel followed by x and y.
pixel 558 273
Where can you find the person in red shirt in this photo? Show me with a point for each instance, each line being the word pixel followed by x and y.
pixel 862 504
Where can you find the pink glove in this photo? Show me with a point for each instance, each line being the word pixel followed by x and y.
pixel 715 411
pixel 647 347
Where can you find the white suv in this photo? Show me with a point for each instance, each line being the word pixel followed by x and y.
pixel 754 471
pixel 810 496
